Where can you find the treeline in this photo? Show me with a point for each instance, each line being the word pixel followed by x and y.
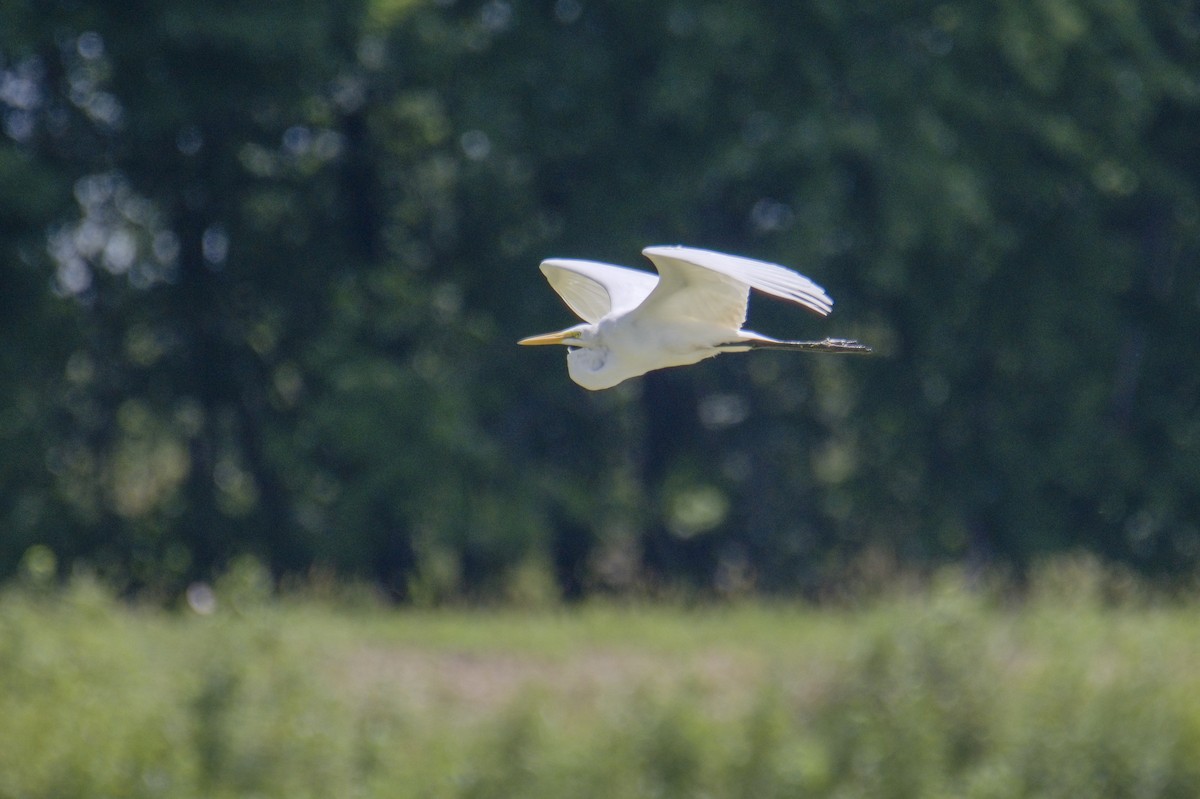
pixel 264 267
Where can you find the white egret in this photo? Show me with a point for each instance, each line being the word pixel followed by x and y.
pixel 694 308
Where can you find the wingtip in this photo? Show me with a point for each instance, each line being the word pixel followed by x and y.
pixel 822 304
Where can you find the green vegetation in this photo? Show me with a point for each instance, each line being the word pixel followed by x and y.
pixel 262 268
pixel 1083 687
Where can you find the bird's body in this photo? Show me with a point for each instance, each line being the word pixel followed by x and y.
pixel 694 308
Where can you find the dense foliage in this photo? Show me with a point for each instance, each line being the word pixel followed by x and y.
pixel 264 265
pixel 933 695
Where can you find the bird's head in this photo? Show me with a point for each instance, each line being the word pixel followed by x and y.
pixel 589 361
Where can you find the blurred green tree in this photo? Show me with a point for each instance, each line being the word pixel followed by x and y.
pixel 201 147
pixel 1002 198
pixel 290 247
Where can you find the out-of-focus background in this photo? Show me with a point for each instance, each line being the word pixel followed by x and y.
pixel 265 264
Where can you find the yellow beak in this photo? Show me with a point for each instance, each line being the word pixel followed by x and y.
pixel 550 338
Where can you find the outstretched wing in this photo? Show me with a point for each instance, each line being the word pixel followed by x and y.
pixel 715 287
pixel 593 290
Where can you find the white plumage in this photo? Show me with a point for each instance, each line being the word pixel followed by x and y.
pixel 694 308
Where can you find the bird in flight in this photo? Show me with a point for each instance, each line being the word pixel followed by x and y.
pixel 694 308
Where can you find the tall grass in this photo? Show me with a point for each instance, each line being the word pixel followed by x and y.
pixel 1078 689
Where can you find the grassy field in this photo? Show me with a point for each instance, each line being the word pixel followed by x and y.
pixel 1083 688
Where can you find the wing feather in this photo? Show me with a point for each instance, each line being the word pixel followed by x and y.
pixel 593 290
pixel 715 286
